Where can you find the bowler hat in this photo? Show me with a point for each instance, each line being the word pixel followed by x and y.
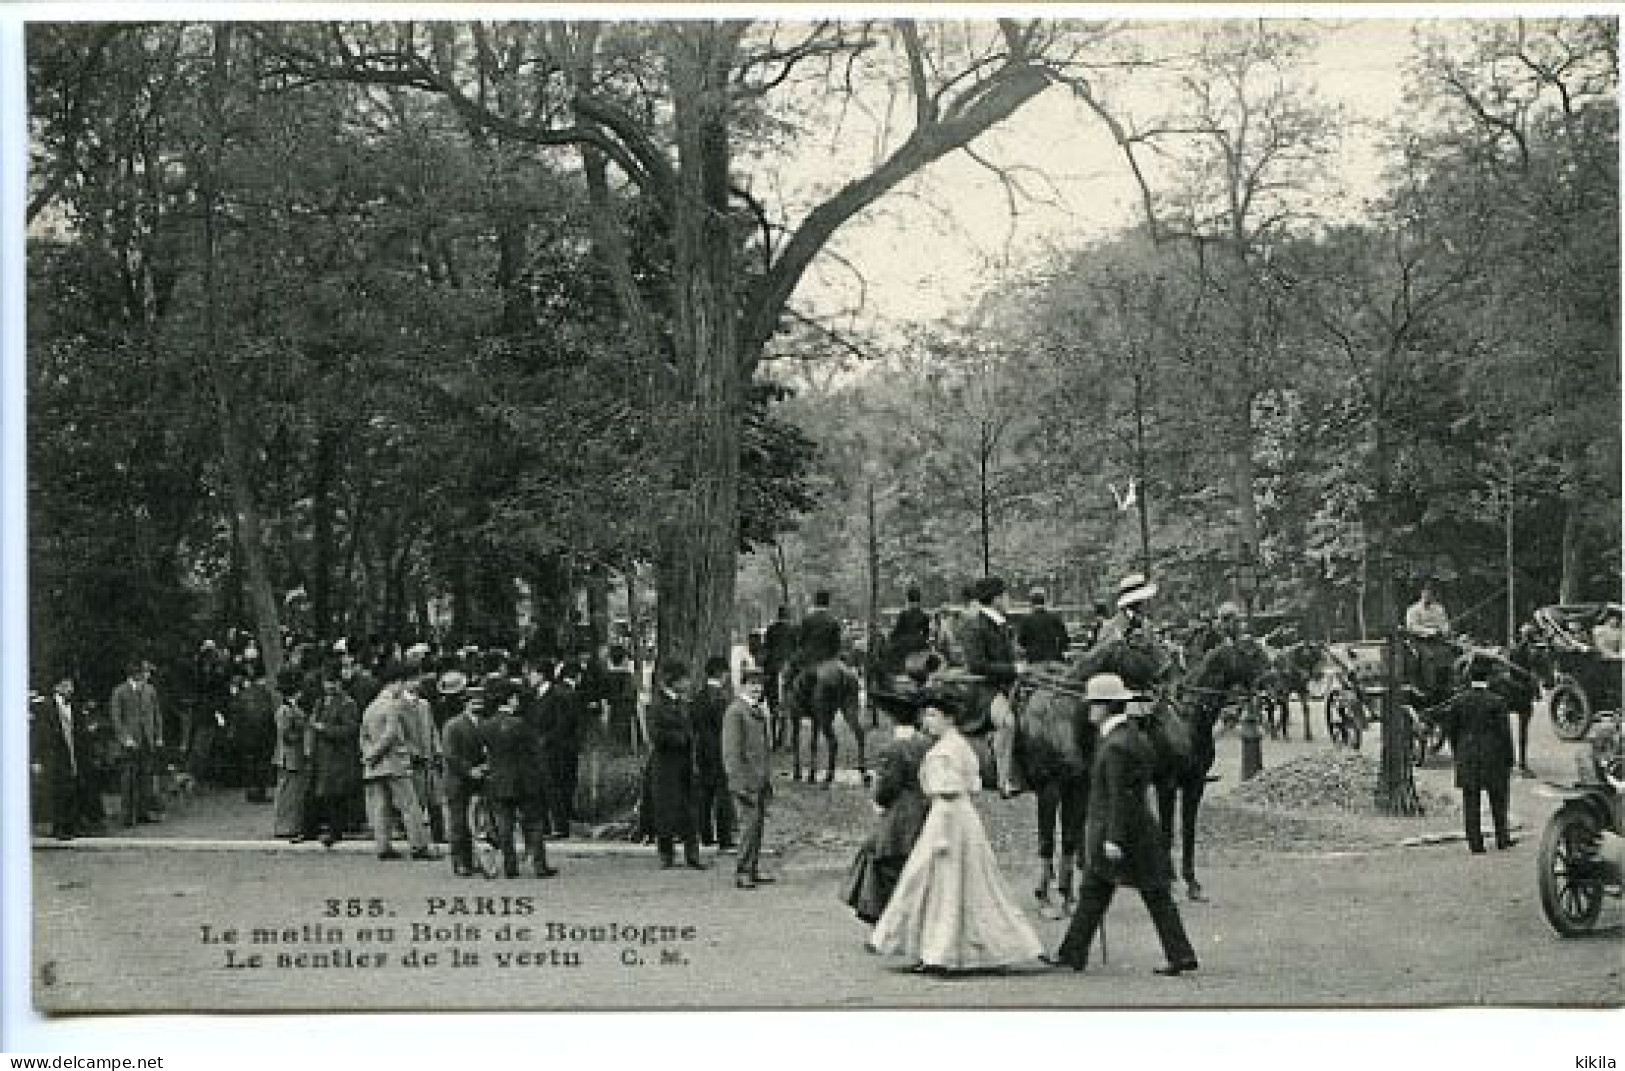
pixel 987 589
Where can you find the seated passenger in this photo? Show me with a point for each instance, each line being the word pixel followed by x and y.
pixel 1606 636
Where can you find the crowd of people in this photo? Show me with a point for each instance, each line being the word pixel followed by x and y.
pixel 318 740
pixel 399 741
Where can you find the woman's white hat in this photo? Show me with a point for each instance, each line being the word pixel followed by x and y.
pixel 1134 588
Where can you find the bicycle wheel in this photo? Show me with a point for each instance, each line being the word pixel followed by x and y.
pixel 483 827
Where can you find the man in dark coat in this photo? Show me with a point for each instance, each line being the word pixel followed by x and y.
pixel 565 717
pixel 335 758
pixel 464 749
pixel 911 632
pixel 817 641
pixel 253 733
pixel 1122 844
pixel 668 789
pixel 1480 730
pixel 1520 685
pixel 778 651
pixel 514 778
pixel 1042 633
pixel 713 807
pixel 62 751
pixel 990 653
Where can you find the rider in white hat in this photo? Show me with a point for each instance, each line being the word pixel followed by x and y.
pixel 1133 592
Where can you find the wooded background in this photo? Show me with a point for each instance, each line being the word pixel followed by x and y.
pixel 401 314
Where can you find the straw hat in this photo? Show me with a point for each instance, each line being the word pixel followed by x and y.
pixel 1134 588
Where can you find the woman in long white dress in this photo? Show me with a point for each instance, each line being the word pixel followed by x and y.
pixel 951 910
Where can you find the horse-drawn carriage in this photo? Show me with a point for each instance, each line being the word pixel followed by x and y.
pixel 1585 682
pixel 1359 688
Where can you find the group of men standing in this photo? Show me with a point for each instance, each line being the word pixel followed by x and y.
pixel 65 758
pixel 708 772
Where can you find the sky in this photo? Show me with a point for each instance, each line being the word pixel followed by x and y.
pixel 928 254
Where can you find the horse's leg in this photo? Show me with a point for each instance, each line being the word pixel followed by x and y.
pixel 795 744
pixel 1308 722
pixel 1167 803
pixel 1048 799
pixel 1189 803
pixel 829 736
pixel 854 721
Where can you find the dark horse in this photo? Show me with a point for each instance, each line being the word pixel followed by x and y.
pixel 1292 667
pixel 1182 772
pixel 818 693
pixel 1181 733
pixel 1055 747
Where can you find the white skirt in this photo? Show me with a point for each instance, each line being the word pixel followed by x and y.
pixel 951 909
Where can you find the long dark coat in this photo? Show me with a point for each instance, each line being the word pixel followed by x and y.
pixel 911 633
pixel 897 789
pixel 1043 636
pixel 990 653
pixel 708 708
pixel 818 640
pixel 668 787
pixel 464 749
pixel 335 749
pixel 513 755
pixel 1480 733
pixel 1120 812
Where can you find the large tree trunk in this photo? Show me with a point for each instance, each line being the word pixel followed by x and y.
pixel 1569 582
pixel 234 452
pixel 598 606
pixel 1241 489
pixel 321 579
pixel 699 549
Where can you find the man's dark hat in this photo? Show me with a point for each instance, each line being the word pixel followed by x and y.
pixel 987 589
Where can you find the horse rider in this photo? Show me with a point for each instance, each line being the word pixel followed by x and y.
pixel 1041 633
pixel 778 651
pixel 990 655
pixel 1126 642
pixel 1428 627
pixel 911 633
pixel 817 641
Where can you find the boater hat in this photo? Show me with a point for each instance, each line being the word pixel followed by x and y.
pixel 1109 688
pixel 1134 588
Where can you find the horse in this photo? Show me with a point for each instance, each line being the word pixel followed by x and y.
pixel 1055 747
pixel 1292 667
pixel 818 693
pixel 1182 735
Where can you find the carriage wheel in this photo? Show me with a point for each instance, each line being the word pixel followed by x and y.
pixel 483 828
pixel 1571 881
pixel 1344 725
pixel 1571 710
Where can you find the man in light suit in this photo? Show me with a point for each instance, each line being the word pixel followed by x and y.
pixel 140 731
pixel 746 765
pixel 386 768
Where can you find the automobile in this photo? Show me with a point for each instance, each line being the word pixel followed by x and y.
pixel 1585 683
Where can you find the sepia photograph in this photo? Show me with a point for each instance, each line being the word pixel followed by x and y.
pixel 821 511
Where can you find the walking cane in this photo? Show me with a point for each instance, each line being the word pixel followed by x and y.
pixel 1105 953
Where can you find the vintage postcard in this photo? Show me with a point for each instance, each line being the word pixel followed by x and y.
pixel 951 510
